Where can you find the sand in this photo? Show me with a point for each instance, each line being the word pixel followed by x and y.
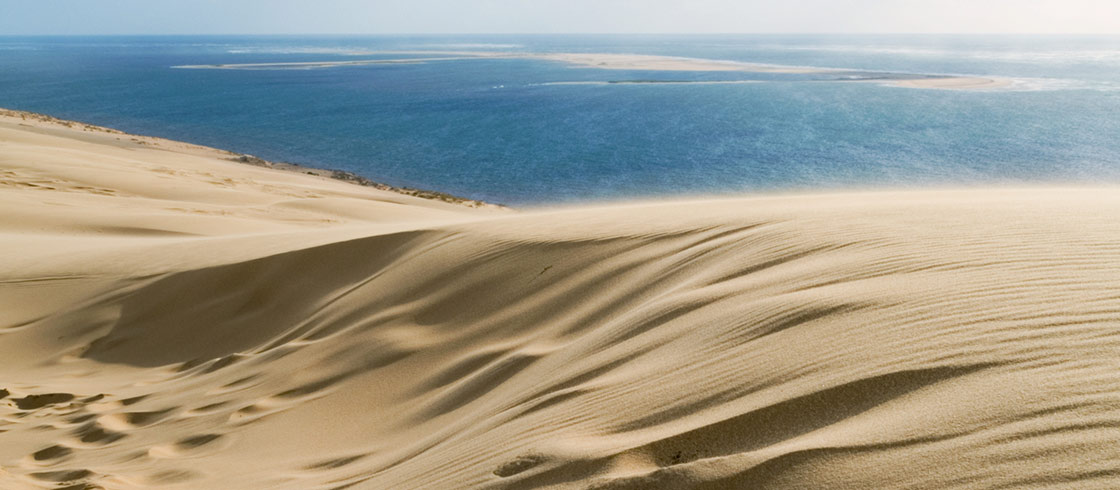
pixel 955 83
pixel 606 61
pixel 609 61
pixel 640 62
pixel 172 319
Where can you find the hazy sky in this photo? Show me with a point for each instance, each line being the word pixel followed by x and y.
pixel 556 16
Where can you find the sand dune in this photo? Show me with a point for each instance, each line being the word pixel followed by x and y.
pixel 174 319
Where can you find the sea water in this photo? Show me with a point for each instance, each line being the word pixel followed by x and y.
pixel 529 131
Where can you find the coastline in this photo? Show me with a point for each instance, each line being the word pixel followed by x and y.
pixel 26 117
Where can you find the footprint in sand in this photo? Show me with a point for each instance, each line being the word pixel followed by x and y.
pixel 51 455
pixel 134 400
pixel 72 479
pixel 224 362
pixel 93 434
pixel 185 447
pixel 81 486
pixel 98 404
pixel 250 413
pixel 206 409
pixel 239 384
pixel 520 464
pixel 126 421
pixel 168 477
pixel 81 418
pixel 35 402
pixel 285 400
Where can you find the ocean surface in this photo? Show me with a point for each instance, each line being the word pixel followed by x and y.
pixel 515 131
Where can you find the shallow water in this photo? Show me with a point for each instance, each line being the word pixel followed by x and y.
pixel 517 131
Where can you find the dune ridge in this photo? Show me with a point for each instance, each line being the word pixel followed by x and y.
pixel 176 320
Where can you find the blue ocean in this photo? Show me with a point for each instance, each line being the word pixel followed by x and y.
pixel 534 131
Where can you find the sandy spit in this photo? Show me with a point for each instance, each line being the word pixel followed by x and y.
pixel 172 319
pixel 955 83
pixel 641 62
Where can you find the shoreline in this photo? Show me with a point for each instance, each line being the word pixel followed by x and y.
pixel 247 159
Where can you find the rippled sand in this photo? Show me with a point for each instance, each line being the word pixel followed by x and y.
pixel 170 318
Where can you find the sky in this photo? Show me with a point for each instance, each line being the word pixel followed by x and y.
pixel 23 17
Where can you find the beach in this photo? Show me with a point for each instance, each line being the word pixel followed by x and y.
pixel 174 316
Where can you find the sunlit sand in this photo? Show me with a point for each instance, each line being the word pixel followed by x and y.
pixel 173 318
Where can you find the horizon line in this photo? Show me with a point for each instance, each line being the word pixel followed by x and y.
pixel 1111 34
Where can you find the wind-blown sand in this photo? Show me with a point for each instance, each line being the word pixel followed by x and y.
pixel 170 318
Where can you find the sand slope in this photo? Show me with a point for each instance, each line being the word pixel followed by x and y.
pixel 164 327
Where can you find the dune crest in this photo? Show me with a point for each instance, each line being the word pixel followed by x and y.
pixel 174 319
